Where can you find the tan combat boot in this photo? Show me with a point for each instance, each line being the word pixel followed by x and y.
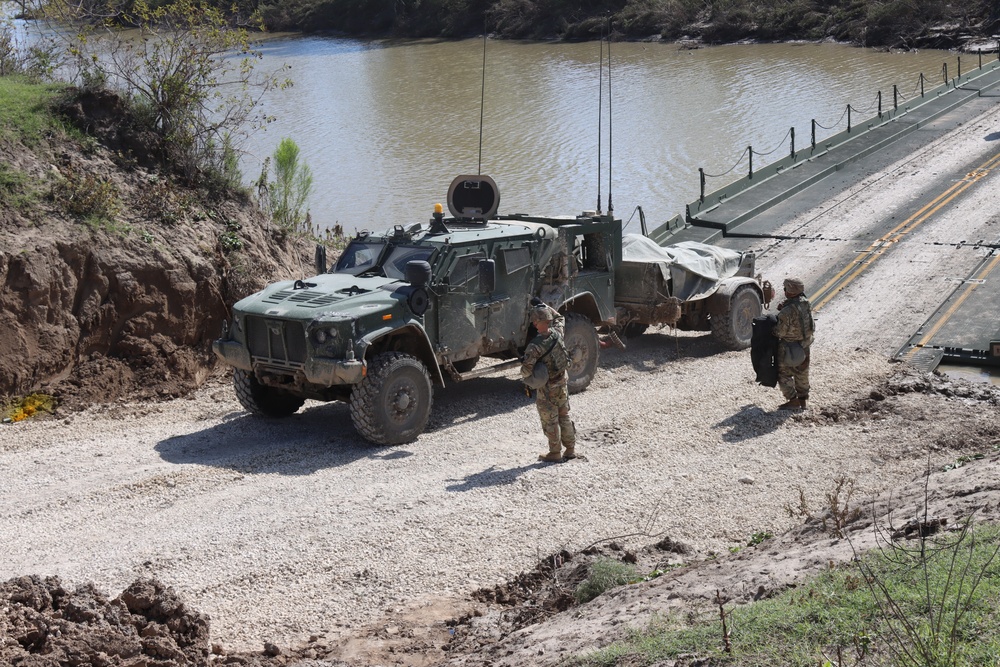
pixel 794 404
pixel 570 452
pixel 554 455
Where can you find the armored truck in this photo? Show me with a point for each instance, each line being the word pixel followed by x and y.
pixel 415 306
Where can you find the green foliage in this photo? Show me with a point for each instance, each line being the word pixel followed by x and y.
pixel 605 573
pixel 95 200
pixel 291 187
pixel 933 605
pixel 189 77
pixel 230 239
pixel 15 191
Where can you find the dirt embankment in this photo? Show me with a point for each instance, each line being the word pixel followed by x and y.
pixel 97 307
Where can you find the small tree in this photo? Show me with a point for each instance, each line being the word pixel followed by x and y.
pixel 189 75
pixel 291 187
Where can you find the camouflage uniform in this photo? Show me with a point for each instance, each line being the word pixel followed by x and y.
pixel 552 400
pixel 795 324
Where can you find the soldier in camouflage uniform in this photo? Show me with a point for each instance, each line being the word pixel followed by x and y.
pixel 552 400
pixel 795 324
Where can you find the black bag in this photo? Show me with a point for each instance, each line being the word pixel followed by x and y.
pixel 764 350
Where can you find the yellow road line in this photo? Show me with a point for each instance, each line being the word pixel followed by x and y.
pixel 877 248
pixel 955 306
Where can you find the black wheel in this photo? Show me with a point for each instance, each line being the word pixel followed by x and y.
pixel 582 347
pixel 263 400
pixel 465 365
pixel 735 328
pixel 634 329
pixel 392 403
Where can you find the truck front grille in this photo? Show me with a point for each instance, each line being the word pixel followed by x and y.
pixel 276 342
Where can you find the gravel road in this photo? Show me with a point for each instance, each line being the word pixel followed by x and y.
pixel 280 529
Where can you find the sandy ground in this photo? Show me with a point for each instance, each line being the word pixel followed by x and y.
pixel 280 530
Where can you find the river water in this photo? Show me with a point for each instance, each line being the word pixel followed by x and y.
pixel 385 126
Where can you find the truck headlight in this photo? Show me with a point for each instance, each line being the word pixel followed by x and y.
pixel 320 336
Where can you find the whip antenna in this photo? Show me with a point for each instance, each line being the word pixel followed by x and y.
pixel 611 207
pixel 482 104
pixel 600 112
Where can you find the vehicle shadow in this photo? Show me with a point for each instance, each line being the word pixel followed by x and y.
pixel 322 436
pixel 751 422
pixel 315 438
pixel 479 398
pixel 659 347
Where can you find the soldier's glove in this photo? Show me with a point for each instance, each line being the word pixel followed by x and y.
pixel 535 301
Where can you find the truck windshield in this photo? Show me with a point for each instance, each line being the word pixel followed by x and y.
pixel 358 257
pixel 395 264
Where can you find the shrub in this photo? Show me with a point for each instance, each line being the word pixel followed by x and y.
pixel 87 196
pixel 291 187
pixel 29 406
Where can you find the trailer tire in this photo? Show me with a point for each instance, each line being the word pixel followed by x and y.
pixel 634 329
pixel 582 349
pixel 262 400
pixel 735 328
pixel 391 404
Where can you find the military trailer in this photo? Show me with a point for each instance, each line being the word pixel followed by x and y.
pixel 408 308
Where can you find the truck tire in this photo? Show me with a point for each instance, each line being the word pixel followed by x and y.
pixel 582 348
pixel 262 400
pixel 391 405
pixel 734 328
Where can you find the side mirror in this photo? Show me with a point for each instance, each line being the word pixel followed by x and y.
pixel 487 275
pixel 320 259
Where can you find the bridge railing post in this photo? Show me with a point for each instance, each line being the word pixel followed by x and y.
pixel 792 151
pixel 895 97
pixel 880 104
pixel 848 118
pixel 813 140
pixel 750 151
pixel 921 84
pixel 701 177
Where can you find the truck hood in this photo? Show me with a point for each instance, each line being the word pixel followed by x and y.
pixel 306 299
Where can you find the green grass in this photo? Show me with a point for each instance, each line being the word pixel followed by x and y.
pixel 26 110
pixel 942 618
pixel 605 573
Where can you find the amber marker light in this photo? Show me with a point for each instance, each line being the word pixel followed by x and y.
pixel 386 318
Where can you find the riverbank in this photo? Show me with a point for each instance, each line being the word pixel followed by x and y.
pixel 895 25
pixel 114 277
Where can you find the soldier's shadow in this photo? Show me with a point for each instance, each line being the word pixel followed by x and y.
pixel 752 421
pixel 491 477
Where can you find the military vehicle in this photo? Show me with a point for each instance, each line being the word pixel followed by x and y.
pixel 404 309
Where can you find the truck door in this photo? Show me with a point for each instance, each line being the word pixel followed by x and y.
pixel 458 332
pixel 503 315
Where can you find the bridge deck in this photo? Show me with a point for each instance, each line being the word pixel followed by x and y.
pixel 964 327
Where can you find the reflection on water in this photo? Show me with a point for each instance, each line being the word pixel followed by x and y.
pixel 972 373
pixel 385 126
